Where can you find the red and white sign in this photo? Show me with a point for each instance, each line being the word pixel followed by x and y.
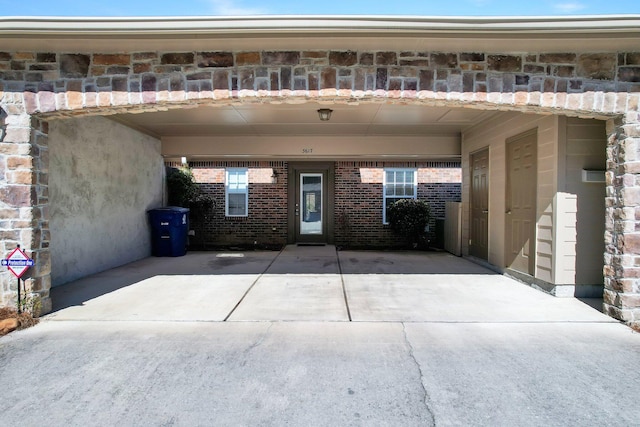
pixel 18 262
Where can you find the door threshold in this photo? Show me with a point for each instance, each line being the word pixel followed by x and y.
pixel 311 244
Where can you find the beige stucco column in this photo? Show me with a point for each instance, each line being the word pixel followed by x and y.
pixel 622 235
pixel 24 200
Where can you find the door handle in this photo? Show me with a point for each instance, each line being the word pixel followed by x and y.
pixel 485 211
pixel 508 212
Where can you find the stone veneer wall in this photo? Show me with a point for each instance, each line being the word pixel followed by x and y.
pixel 40 86
pixel 24 202
pixel 63 83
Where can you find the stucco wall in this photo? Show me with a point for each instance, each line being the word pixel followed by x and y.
pixel 103 179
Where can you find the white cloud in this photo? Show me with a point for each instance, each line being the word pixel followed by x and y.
pixel 233 8
pixel 569 7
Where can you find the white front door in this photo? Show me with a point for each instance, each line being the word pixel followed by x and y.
pixel 311 218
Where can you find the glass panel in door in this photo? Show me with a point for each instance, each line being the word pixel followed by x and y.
pixel 311 203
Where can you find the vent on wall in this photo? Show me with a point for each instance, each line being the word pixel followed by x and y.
pixel 592 175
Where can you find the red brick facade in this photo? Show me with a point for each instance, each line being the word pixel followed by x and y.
pixel 359 199
pixel 357 205
pixel 266 223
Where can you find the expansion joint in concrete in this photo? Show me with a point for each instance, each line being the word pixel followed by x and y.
pixel 252 285
pixel 344 289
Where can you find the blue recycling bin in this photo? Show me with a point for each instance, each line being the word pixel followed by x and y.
pixel 169 230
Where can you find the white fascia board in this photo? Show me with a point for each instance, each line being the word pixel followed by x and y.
pixel 608 33
pixel 334 25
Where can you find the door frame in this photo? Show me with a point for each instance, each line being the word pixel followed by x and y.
pixel 293 179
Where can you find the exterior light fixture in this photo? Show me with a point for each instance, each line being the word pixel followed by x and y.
pixel 183 160
pixel 324 114
pixel 274 176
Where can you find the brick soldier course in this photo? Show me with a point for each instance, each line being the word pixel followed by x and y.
pixel 37 87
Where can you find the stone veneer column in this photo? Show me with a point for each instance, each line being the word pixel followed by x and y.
pixel 24 163
pixel 622 235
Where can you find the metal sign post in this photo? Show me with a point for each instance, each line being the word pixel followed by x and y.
pixel 18 263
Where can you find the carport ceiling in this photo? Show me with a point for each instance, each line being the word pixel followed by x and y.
pixel 302 119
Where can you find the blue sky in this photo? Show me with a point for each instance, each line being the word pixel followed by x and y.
pixel 320 7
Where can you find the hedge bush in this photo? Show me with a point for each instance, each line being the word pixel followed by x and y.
pixel 409 218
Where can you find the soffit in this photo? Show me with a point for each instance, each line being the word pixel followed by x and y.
pixel 302 120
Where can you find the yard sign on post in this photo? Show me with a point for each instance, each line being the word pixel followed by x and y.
pixel 18 263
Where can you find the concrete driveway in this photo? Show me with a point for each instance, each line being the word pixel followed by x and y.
pixel 311 283
pixel 434 340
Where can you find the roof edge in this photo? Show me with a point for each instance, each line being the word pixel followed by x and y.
pixel 336 24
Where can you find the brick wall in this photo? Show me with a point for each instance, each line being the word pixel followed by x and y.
pixel 358 206
pixel 358 202
pixel 359 199
pixel 266 224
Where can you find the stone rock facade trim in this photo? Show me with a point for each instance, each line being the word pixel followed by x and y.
pixel 40 86
pixel 596 84
pixel 24 198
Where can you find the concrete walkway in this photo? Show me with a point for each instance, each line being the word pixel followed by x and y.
pixel 434 340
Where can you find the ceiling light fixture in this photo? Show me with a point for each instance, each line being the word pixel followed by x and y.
pixel 324 114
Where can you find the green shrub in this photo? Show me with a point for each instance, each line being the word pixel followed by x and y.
pixel 183 191
pixel 181 187
pixel 409 218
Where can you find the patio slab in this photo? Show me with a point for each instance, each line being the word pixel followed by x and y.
pixel 198 286
pixel 304 283
pixel 162 297
pixel 458 298
pixel 407 262
pixel 289 297
pixel 296 259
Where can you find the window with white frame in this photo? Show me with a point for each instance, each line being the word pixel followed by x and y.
pixel 398 184
pixel 236 192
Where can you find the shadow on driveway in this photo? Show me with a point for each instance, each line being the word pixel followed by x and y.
pixel 310 284
pixel 292 260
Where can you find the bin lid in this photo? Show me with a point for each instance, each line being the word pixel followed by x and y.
pixel 176 209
